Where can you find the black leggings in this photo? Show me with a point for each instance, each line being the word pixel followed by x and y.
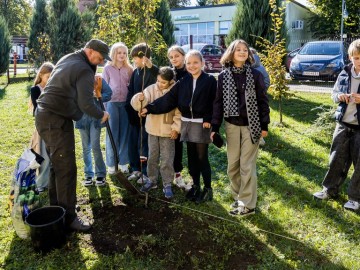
pixel 198 162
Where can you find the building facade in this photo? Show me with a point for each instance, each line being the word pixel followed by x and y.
pixel 206 24
pixel 211 24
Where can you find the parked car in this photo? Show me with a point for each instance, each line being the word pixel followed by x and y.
pixel 289 57
pixel 319 60
pixel 211 53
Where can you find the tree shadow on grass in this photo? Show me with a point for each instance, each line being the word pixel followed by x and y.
pixel 294 195
pixel 181 235
pixel 296 158
pixel 293 105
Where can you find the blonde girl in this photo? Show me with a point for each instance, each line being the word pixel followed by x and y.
pixel 176 55
pixel 193 95
pixel 241 100
pixel 117 74
pixel 37 144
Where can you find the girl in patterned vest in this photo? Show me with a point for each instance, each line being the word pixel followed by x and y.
pixel 241 100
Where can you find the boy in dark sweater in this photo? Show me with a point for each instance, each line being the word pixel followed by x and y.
pixel 144 75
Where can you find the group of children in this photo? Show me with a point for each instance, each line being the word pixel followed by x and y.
pixel 153 111
pixel 182 103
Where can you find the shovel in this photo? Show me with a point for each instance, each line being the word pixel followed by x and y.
pixel 118 174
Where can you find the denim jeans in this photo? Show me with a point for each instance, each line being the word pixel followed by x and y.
pixel 90 139
pixel 119 125
pixel 134 148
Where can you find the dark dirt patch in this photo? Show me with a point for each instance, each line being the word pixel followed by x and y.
pixel 176 240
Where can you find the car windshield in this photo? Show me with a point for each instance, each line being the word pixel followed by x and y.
pixel 321 49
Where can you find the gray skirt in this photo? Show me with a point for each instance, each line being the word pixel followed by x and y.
pixel 194 132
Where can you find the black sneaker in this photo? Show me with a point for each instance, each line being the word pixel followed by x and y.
pixel 88 182
pixel 194 193
pixel 206 195
pixel 100 181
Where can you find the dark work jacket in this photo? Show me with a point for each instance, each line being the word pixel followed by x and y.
pixel 135 86
pixel 343 85
pixel 197 104
pixel 69 91
pixel 242 119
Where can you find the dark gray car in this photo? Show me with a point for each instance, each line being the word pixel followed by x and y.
pixel 319 60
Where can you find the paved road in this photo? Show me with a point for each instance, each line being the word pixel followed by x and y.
pixel 319 87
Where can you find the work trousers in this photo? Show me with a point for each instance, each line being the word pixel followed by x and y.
pixel 58 135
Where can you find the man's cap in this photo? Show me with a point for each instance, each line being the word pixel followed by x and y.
pixel 99 46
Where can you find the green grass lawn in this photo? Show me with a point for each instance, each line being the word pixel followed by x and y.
pixel 290 230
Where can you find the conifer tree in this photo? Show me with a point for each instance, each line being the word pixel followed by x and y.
pixel 251 20
pixel 166 30
pixel 5 45
pixel 38 43
pixel 67 34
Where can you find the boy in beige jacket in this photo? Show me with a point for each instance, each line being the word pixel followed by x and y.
pixel 163 129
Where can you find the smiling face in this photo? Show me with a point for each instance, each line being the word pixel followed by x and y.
pixel 241 54
pixel 176 59
pixel 120 55
pixel 194 65
pixel 162 83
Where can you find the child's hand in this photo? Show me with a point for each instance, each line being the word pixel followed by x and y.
pixel 344 98
pixel 264 133
pixel 105 117
pixel 143 112
pixel 147 62
pixel 141 97
pixel 174 135
pixel 97 86
pixel 206 125
pixel 355 98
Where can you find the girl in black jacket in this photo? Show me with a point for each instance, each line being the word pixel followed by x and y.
pixel 241 100
pixel 193 95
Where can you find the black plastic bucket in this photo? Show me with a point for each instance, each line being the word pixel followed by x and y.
pixel 47 228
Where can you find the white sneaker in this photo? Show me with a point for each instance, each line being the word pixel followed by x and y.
pixel 352 205
pixel 142 180
pixel 134 175
pixel 124 168
pixel 322 195
pixel 188 186
pixel 111 170
pixel 179 181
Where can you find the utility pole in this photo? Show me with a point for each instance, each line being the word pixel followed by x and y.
pixel 344 15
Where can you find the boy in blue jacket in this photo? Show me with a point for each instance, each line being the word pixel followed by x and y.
pixel 345 148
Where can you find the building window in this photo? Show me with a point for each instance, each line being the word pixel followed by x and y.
pixel 224 27
pixel 201 32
